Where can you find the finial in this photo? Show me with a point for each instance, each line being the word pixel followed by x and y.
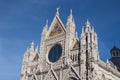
pixel 70 17
pixel 32 47
pixel 32 44
pixel 27 50
pixel 107 61
pixel 36 50
pixel 46 23
pixel 57 11
pixel 87 23
pixel 88 28
pixel 76 35
pixel 82 29
pixel 71 11
pixel 92 28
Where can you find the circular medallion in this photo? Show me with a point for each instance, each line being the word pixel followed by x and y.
pixel 55 53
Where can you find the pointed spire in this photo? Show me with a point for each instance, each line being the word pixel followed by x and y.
pixel 83 29
pixel 57 13
pixel 93 29
pixel 70 18
pixel 45 28
pixel 32 44
pixel 46 25
pixel 107 61
pixel 87 23
pixel 36 50
pixel 76 34
pixel 88 28
pixel 32 47
pixel 27 50
pixel 71 13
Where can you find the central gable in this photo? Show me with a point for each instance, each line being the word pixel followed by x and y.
pixel 56 27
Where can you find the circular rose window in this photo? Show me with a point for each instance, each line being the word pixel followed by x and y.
pixel 55 53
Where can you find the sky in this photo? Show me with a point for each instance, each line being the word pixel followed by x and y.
pixel 22 21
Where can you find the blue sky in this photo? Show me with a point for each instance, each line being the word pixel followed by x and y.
pixel 21 22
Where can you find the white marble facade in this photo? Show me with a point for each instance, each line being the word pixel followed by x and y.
pixel 73 58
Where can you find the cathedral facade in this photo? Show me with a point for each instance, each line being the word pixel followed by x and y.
pixel 65 56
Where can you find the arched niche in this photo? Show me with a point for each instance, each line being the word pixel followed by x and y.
pixel 103 77
pixel 33 77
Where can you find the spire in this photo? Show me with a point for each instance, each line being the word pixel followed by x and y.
pixel 88 26
pixel 57 13
pixel 27 50
pixel 76 34
pixel 45 28
pixel 32 44
pixel 36 50
pixel 46 25
pixel 70 18
pixel 83 29
pixel 32 47
pixel 92 29
pixel 71 13
pixel 70 25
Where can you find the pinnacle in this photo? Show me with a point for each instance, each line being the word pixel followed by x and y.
pixel 46 25
pixel 32 44
pixel 71 12
pixel 36 50
pixel 47 22
pixel 87 23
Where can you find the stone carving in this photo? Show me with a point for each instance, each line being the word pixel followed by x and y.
pixel 56 30
pixel 79 59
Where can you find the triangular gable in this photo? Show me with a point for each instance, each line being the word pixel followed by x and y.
pixel 34 77
pixel 75 44
pixel 71 72
pixel 51 75
pixel 56 27
pixel 36 57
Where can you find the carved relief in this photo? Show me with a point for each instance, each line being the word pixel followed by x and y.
pixel 71 74
pixel 56 30
pixel 33 77
pixel 76 45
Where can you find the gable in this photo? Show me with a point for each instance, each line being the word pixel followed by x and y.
pixel 56 27
pixel 71 74
pixel 36 57
pixel 75 44
pixel 34 77
pixel 51 75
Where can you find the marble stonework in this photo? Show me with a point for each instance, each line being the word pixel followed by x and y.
pixel 79 59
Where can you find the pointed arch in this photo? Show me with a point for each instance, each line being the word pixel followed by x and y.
pixel 34 77
pixel 52 73
pixel 103 77
pixel 76 76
